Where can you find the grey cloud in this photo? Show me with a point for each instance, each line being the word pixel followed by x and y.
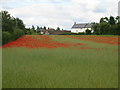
pixel 7 7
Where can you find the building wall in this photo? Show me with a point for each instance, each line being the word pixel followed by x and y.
pixel 79 30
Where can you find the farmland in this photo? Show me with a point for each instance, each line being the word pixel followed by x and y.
pixel 61 61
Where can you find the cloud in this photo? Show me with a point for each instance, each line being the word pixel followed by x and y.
pixel 62 13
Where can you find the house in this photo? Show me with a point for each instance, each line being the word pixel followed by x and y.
pixel 51 32
pixel 81 28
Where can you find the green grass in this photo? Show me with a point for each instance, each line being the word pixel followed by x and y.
pixel 61 67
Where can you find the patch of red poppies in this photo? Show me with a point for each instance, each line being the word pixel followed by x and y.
pixel 37 41
pixel 97 39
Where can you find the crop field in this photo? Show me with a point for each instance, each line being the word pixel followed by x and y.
pixel 61 61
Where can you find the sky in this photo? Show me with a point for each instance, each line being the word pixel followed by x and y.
pixel 59 13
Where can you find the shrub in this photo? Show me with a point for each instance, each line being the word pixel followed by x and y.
pixel 88 32
pixel 17 33
pixel 6 37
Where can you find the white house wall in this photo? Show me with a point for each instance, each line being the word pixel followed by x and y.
pixel 79 30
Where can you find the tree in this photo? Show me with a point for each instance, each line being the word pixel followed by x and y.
pixel 106 19
pixel 33 28
pixel 17 33
pixel 12 28
pixel 6 37
pixel 88 32
pixel 20 24
pixel 112 20
pixel 96 28
pixel 118 19
pixel 104 28
pixel 44 27
pixel 38 29
pixel 102 20
pixel 58 28
pixel 6 21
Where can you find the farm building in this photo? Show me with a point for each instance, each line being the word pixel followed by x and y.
pixel 80 28
pixel 53 32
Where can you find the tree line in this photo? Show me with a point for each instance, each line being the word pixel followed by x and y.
pixel 13 28
pixel 107 26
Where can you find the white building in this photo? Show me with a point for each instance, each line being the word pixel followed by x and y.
pixel 80 28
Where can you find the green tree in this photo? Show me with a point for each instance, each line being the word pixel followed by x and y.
pixel 118 19
pixel 88 32
pixel 44 27
pixel 112 20
pixel 6 37
pixel 96 27
pixel 58 28
pixel 7 25
pixel 104 28
pixel 12 28
pixel 17 33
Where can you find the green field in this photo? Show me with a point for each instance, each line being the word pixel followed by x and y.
pixel 61 67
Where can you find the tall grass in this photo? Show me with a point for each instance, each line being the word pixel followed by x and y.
pixel 60 68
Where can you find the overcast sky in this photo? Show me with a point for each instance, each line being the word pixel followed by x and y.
pixel 62 13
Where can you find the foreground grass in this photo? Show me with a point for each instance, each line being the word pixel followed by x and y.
pixel 60 68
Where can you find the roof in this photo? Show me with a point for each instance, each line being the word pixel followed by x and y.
pixel 83 25
pixel 52 32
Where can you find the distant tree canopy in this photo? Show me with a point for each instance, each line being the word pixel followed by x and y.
pixel 107 26
pixel 58 28
pixel 9 22
pixel 12 28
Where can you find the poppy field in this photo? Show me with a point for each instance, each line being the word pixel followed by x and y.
pixel 61 61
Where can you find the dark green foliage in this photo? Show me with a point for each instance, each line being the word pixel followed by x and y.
pixel 112 20
pixel 44 27
pixel 107 26
pixel 104 28
pixel 12 28
pixel 58 28
pixel 33 28
pixel 17 33
pixel 88 32
pixel 6 37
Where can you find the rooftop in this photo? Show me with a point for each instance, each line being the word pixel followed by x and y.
pixel 82 25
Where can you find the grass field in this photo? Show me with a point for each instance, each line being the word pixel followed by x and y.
pixel 61 62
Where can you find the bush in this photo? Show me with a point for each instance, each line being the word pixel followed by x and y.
pixel 88 32
pixel 81 33
pixel 17 33
pixel 6 37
